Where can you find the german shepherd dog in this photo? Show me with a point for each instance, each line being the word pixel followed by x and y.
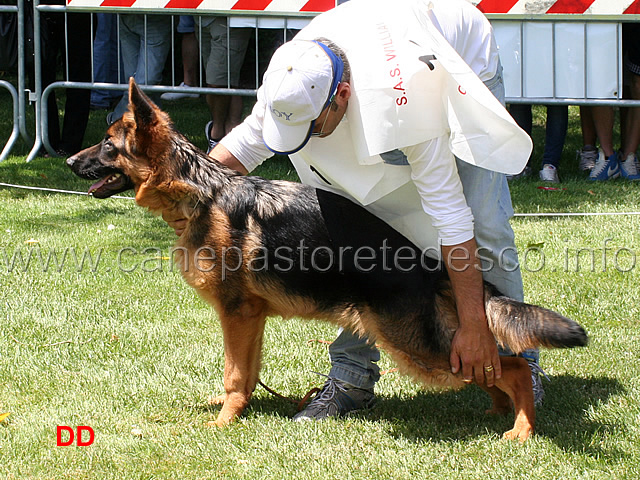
pixel 255 248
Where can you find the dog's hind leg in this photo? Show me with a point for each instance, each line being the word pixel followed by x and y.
pixel 243 334
pixel 501 401
pixel 516 383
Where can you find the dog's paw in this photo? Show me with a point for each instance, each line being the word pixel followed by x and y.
pixel 217 400
pixel 519 433
pixel 224 419
pixel 216 424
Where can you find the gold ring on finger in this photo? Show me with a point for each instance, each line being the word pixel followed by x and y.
pixel 488 369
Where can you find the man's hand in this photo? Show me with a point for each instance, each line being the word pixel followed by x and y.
pixel 175 220
pixel 475 350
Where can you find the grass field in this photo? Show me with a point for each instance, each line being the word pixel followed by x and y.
pixel 121 344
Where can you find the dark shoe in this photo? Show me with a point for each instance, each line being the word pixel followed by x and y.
pixel 587 158
pixel 524 173
pixel 210 141
pixel 537 374
pixel 336 399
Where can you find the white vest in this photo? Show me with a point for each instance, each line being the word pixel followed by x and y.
pixel 408 86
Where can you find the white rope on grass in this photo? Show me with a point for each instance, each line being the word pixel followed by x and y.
pixel 539 214
pixel 55 190
pixel 573 214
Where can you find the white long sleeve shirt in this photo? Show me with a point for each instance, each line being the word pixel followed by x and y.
pixel 421 197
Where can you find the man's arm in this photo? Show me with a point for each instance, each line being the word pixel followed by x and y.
pixel 436 178
pixel 473 348
pixel 224 156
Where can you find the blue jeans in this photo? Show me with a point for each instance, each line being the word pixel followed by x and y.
pixel 143 56
pixel 353 357
pixel 105 59
pixel 555 131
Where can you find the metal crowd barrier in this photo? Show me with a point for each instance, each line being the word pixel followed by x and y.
pixel 18 99
pixel 40 96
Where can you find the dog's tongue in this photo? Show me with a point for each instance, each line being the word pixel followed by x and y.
pixel 98 184
pixel 108 183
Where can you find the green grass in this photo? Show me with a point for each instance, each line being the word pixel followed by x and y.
pixel 123 345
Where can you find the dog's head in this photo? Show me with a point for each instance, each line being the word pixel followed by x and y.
pixel 131 154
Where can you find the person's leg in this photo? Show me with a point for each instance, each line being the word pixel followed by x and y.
pixel 607 165
pixel 130 42
pixel 224 57
pixel 487 194
pixel 631 137
pixel 148 41
pixel 234 117
pixel 105 59
pixel 522 114
pixel 587 126
pixel 632 131
pixel 190 59
pixel 77 104
pixel 588 154
pixel 52 46
pixel 603 119
pixel 353 360
pixel 154 49
pixel 555 134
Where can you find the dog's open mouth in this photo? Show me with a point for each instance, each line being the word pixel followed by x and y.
pixel 110 185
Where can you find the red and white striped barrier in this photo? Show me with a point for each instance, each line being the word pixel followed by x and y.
pixel 510 7
pixel 270 6
pixel 573 7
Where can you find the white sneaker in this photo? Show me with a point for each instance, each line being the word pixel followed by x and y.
pixel 549 173
pixel 587 159
pixel 172 96
pixel 629 168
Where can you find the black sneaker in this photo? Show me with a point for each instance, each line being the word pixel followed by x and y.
pixel 336 399
pixel 526 172
pixel 537 374
pixel 210 141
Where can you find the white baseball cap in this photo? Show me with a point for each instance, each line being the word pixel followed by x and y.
pixel 299 84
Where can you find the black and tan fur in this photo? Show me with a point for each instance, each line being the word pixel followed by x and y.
pixel 412 315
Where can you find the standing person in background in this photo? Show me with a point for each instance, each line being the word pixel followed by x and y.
pixel 223 52
pixel 555 134
pixel 190 59
pixel 105 61
pixel 54 48
pixel 145 41
pixel 630 125
pixel 597 123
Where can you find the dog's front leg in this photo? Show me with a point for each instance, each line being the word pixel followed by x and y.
pixel 243 334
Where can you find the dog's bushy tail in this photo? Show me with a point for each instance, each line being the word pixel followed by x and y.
pixel 521 326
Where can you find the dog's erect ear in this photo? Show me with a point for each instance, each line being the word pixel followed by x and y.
pixel 143 109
